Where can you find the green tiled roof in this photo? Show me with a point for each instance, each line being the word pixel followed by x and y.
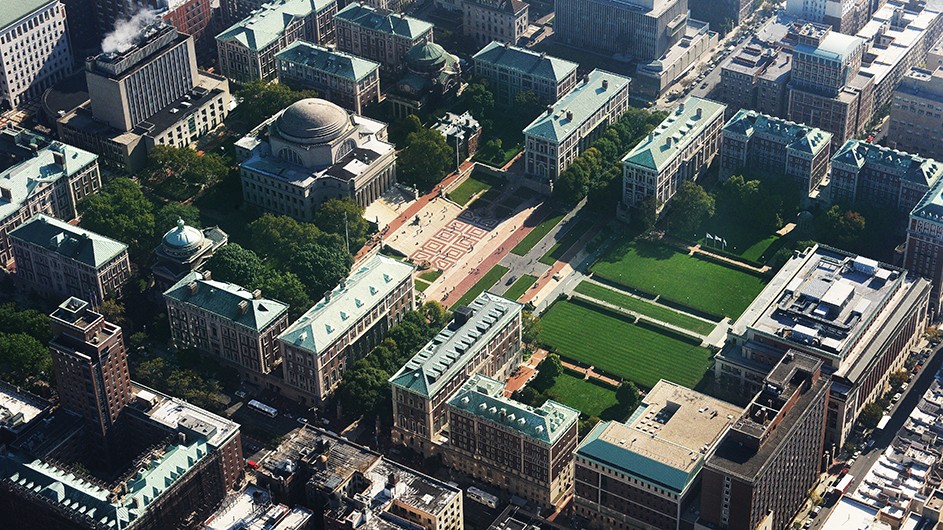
pixel 682 127
pixel 224 299
pixel 335 63
pixel 454 347
pixel 69 241
pixel 23 179
pixel 525 61
pixel 268 23
pixel 385 22
pixel 14 10
pixel 332 318
pixel 484 397
pixel 795 135
pixel 914 168
pixel 580 103
pixel 931 205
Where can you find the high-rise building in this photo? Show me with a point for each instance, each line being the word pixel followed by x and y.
pixel 844 16
pixel 924 252
pixel 511 70
pixel 188 16
pixel 526 451
pixel 723 15
pixel 916 121
pixel 232 11
pixel 760 472
pixel 757 78
pixel 494 20
pixel 378 35
pixel 344 326
pixel 90 364
pixel 341 78
pixel 641 30
pixel 34 45
pixel 483 337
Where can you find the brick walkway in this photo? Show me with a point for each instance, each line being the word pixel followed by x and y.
pixel 524 372
pixel 590 374
pixel 546 281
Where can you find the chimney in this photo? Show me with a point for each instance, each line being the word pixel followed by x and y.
pixel 569 115
pixel 207 275
pixel 698 113
pixel 192 287
pixel 651 137
pixel 256 294
pixel 243 307
pixel 343 283
pixel 681 108
pixel 605 84
pixel 327 296
pixel 6 193
pixel 58 157
pixel 668 141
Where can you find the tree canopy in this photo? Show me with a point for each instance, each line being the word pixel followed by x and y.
pixel 343 217
pixel 425 160
pixel 478 99
pixel 691 206
pixel 122 212
pixel 261 99
pixel 180 172
pixel 233 263
pixel 24 354
pixel 166 217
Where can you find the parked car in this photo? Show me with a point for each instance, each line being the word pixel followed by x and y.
pixel 896 398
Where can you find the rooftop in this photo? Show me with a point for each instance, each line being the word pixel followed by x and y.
pixel 484 397
pixel 18 408
pixel 930 206
pixel 69 241
pixel 922 83
pixel 794 135
pixel 525 61
pixel 570 112
pixel 179 415
pixel 893 35
pixel 332 62
pixel 227 300
pixel 267 23
pixel 345 305
pixel 834 47
pixel 240 510
pixel 672 136
pixel 452 348
pixel 856 154
pixel 383 21
pixel 14 10
pixel 508 6
pixel 513 518
pixel 452 124
pixel 665 440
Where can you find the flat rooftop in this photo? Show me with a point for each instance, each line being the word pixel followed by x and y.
pixel 176 413
pixel 18 408
pixel 665 440
pixel 238 509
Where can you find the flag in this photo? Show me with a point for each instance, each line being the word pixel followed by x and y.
pixel 709 236
pixel 725 242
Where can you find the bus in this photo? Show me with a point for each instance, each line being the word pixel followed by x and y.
pixel 842 486
pixel 482 497
pixel 271 412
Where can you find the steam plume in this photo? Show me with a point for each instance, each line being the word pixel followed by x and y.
pixel 126 31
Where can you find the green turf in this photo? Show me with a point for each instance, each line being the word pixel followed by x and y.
pixel 468 189
pixel 691 282
pixel 557 251
pixel 588 397
pixel 421 285
pixel 486 282
pixel 431 276
pixel 644 308
pixel 536 235
pixel 520 287
pixel 627 350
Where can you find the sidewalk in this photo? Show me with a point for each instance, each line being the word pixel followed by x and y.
pixel 590 374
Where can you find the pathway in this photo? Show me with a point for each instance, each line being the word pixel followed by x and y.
pixel 524 373
pixel 639 316
pixel 589 373
pixel 590 279
pixel 546 287
pixel 698 249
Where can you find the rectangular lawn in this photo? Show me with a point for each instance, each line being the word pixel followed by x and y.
pixel 685 280
pixel 466 190
pixel 644 308
pixel 621 348
pixel 486 282
pixel 589 398
pixel 520 287
pixel 535 235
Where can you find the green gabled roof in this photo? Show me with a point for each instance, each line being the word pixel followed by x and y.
pixel 525 61
pixel 914 168
pixel 570 112
pixel 336 63
pixel 69 241
pixel 225 299
pixel 14 10
pixel 391 23
pixel 930 206
pixel 681 127
pixel 268 23
pixel 795 135
pixel 331 318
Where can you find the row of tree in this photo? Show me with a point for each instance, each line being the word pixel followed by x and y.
pixel 179 173
pixel 24 350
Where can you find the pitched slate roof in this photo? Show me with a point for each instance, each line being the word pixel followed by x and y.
pixel 795 135
pixel 335 63
pixel 572 110
pixel 268 23
pixel 913 168
pixel 385 22
pixel 931 205
pixel 331 318
pixel 69 241
pixel 681 127
pixel 226 301
pixel 525 61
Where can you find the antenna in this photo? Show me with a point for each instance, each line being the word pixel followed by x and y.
pixel 346 235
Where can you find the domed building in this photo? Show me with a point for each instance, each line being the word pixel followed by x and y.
pixel 184 249
pixel 313 151
pixel 431 75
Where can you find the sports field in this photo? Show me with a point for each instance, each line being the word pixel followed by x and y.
pixel 590 398
pixel 486 282
pixel 642 307
pixel 535 235
pixel 634 352
pixel 685 280
pixel 520 287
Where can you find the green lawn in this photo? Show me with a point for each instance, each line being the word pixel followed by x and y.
pixel 468 189
pixel 431 276
pixel 644 308
pixel 536 235
pixel 557 251
pixel 486 282
pixel 699 284
pixel 421 285
pixel 623 349
pixel 520 287
pixel 588 397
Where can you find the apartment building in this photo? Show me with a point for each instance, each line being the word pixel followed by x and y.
pixel 40 175
pixel 858 316
pixel 645 472
pixel 756 144
pixel 347 80
pixel 482 338
pixel 460 130
pixel 867 173
pixel 344 326
pixel 681 148
pixel 757 78
pixel 653 78
pixel 34 46
pixel 555 138
pixel 916 119
pixel 523 450
pixel 923 254
pixel 59 260
pixel 760 473
pixel 378 35
pixel 484 21
pixel 844 16
pixel 227 322
pixel 722 15
pixel 511 70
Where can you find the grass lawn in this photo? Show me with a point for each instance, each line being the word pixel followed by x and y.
pixel 588 397
pixel 644 308
pixel 557 251
pixel 763 250
pixel 520 287
pixel 421 285
pixel 699 284
pixel 486 282
pixel 468 189
pixel 536 235
pixel 614 345
pixel 431 276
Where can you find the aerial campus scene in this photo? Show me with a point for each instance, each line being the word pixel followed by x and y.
pixel 471 264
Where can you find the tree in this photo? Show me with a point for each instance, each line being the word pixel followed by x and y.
pixel 548 371
pixel 261 99
pixel 645 213
pixel 285 287
pixel 22 357
pixel 898 378
pixel 275 236
pixel 166 217
pixel 628 396
pixel 842 228
pixel 181 172
pixel 426 160
pixel 527 104
pixel 530 327
pixel 435 313
pixel 343 217
pixel 478 99
pixel 691 206
pixel 363 389
pixel 120 211
pixel 870 415
pixel 28 321
pixel 113 311
pixel 235 264
pixel 321 266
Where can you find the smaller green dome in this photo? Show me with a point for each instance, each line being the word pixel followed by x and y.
pixel 426 56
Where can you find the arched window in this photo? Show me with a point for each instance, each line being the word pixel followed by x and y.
pixel 289 155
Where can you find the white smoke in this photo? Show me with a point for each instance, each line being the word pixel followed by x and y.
pixel 127 30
